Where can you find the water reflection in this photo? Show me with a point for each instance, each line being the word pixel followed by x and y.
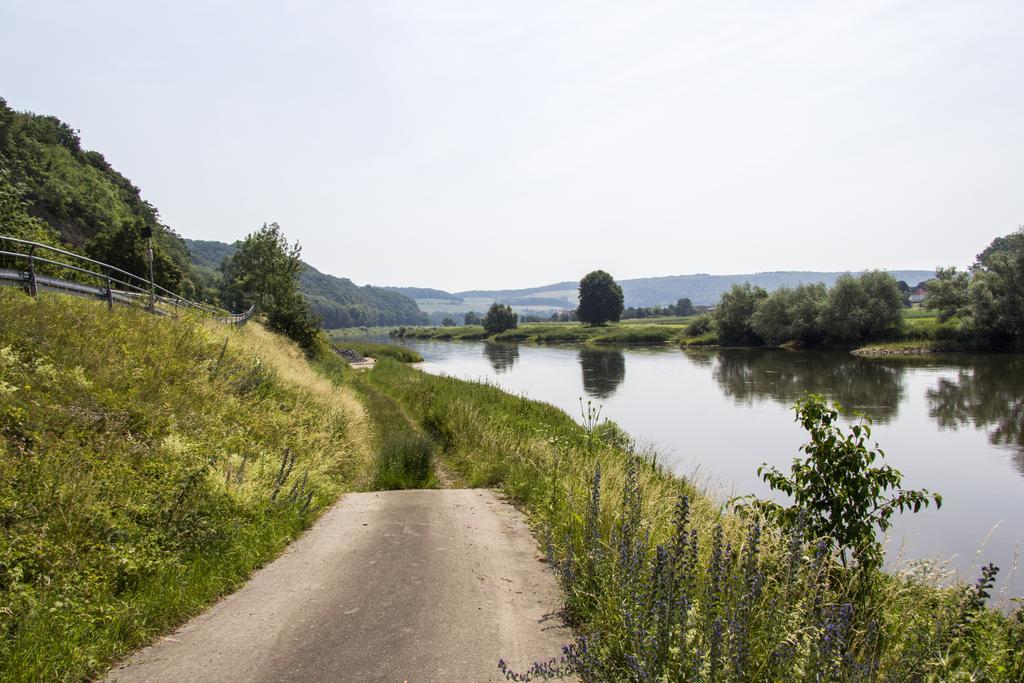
pixel 990 396
pixel 502 357
pixel 749 375
pixel 603 371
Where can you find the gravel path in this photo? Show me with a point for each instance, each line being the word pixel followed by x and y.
pixel 427 585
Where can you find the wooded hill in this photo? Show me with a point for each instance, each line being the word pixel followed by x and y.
pixel 339 301
pixel 55 192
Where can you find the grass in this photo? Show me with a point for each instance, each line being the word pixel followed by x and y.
pixel 624 333
pixel 147 466
pixel 374 350
pixel 665 583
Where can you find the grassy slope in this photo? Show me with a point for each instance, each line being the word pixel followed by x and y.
pixel 138 460
pixel 546 462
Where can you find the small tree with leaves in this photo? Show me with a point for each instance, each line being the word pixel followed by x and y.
pixel 500 318
pixel 837 491
pixel 264 271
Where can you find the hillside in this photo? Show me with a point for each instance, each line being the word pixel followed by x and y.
pixel 143 474
pixel 339 301
pixel 702 289
pixel 80 200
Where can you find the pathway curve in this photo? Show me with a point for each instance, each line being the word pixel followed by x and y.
pixel 425 585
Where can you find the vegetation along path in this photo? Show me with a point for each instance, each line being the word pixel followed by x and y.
pixel 399 585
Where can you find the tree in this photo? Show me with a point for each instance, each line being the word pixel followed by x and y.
pixel 733 313
pixel 472 318
pixel 837 492
pixel 947 293
pixel 500 318
pixel 684 307
pixel 448 322
pixel 124 247
pixel 601 299
pixel 264 271
pixel 862 308
pixel 995 295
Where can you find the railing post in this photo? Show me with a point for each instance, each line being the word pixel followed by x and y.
pixel 32 270
pixel 110 295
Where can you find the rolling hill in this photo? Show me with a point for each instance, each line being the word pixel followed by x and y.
pixel 701 288
pixel 339 301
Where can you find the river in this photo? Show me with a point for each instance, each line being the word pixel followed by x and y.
pixel 953 424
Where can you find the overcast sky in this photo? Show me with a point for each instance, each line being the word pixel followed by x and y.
pixel 489 145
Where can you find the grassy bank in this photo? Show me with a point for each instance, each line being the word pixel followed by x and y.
pixel 665 583
pixel 147 466
pixel 624 333
pixel 375 350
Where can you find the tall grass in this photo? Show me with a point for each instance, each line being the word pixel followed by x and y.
pixel 665 583
pixel 375 350
pixel 147 466
pixel 404 453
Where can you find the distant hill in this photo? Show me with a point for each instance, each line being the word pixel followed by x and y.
pixel 339 301
pixel 425 293
pixel 702 289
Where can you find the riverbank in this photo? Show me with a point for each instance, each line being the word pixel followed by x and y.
pixel 623 334
pixel 761 602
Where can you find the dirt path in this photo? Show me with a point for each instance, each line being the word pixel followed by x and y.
pixel 426 585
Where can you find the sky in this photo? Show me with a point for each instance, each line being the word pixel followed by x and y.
pixel 481 145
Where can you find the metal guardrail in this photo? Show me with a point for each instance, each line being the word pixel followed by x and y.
pixel 74 274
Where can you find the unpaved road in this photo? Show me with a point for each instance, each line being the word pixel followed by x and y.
pixel 428 585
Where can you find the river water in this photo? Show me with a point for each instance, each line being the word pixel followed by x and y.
pixel 953 424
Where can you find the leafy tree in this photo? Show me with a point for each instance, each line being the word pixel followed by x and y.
pixel 684 307
pixel 733 314
pixel 996 291
pixel 124 247
pixel 947 293
pixel 448 322
pixel 862 308
pixel 500 318
pixel 264 271
pixel 472 318
pixel 791 314
pixel 601 299
pixel 837 491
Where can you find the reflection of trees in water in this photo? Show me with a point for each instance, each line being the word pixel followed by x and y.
pixel 603 371
pixel 702 357
pixel 501 356
pixel 870 387
pixel 990 396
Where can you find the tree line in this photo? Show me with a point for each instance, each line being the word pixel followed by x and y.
pixel 987 300
pixel 859 308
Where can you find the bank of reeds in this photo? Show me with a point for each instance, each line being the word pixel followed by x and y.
pixel 147 466
pixel 665 583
